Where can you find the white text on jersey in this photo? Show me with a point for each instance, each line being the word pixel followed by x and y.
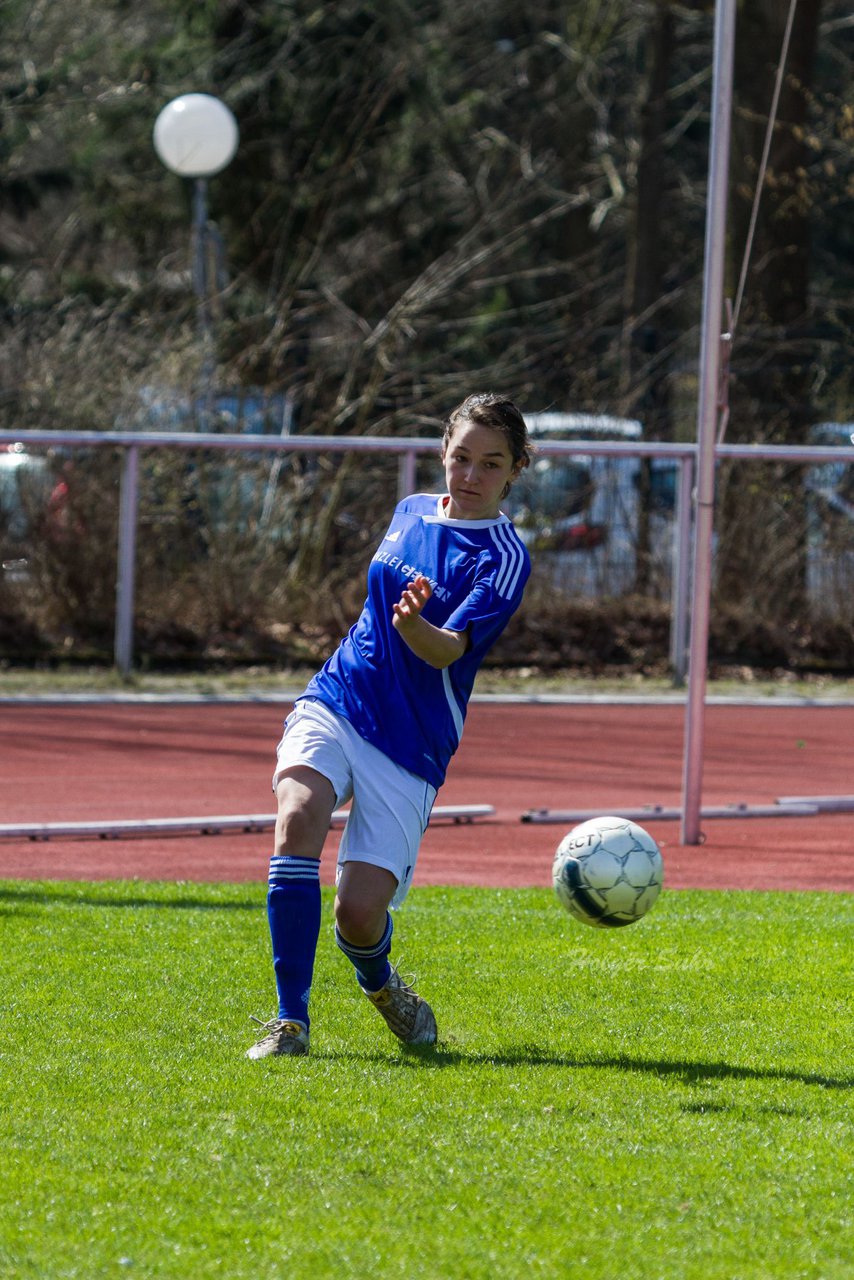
pixel 408 571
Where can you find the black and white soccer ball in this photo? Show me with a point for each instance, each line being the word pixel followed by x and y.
pixel 608 872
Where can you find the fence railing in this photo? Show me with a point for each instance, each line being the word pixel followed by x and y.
pixel 408 450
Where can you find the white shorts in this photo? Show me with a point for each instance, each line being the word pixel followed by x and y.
pixel 390 806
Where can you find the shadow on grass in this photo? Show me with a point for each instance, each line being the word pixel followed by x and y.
pixel 443 1056
pixel 17 900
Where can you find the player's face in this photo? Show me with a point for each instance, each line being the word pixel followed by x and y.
pixel 478 465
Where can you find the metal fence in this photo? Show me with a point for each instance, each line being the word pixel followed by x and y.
pixel 615 503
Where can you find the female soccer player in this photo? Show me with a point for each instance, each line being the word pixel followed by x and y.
pixel 381 720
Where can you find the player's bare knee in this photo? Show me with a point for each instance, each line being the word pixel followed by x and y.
pixel 300 830
pixel 361 922
pixel 298 833
pixel 304 814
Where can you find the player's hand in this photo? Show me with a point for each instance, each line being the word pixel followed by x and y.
pixel 412 601
pixel 436 646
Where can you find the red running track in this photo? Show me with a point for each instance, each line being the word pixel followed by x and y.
pixel 93 762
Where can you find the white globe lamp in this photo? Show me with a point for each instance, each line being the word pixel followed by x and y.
pixel 196 135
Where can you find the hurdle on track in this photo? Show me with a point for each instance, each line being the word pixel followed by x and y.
pixel 825 804
pixel 121 828
pixel 802 808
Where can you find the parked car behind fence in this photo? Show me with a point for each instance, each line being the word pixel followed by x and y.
pixel 578 512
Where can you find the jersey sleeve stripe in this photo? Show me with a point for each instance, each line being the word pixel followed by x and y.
pixel 453 706
pixel 512 560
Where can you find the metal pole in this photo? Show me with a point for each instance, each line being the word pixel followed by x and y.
pixel 201 286
pixel 681 571
pixel 715 252
pixel 126 560
pixel 406 475
pixel 200 253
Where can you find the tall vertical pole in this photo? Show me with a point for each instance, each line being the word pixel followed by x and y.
pixel 200 253
pixel 126 561
pixel 406 473
pixel 201 286
pixel 715 257
pixel 681 562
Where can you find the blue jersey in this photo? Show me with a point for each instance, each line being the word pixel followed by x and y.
pixel 395 700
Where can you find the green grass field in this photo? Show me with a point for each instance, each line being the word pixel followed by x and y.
pixel 667 1102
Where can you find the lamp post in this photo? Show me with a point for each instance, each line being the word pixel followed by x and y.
pixel 196 137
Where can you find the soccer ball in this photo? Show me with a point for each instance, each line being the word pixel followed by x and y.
pixel 607 872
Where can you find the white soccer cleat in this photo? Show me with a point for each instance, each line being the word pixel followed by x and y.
pixel 281 1038
pixel 407 1014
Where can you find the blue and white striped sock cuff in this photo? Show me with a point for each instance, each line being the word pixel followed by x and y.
pixel 380 948
pixel 289 870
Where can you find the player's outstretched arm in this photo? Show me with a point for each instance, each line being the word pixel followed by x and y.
pixel 435 645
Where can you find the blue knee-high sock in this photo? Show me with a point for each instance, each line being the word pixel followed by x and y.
pixel 293 912
pixel 371 963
